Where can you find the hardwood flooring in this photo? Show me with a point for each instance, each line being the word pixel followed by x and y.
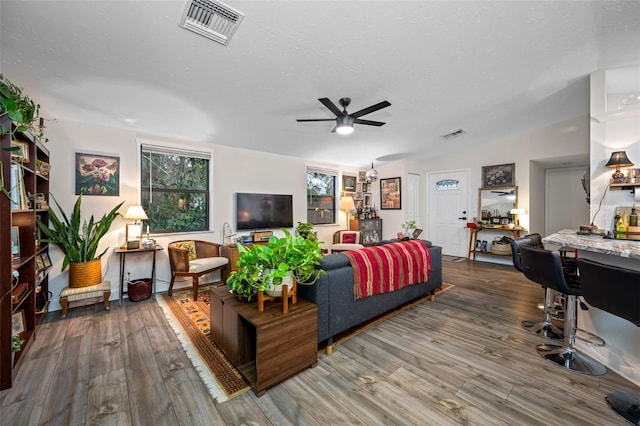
pixel 463 359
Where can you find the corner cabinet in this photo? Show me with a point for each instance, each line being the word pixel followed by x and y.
pixel 371 230
pixel 24 263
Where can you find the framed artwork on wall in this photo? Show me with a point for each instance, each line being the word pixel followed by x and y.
pixel 348 183
pixel 362 176
pixel 97 174
pixel 390 197
pixel 367 200
pixel 499 175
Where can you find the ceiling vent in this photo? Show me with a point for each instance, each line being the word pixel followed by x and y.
pixel 211 19
pixel 453 134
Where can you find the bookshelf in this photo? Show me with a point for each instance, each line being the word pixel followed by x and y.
pixel 23 269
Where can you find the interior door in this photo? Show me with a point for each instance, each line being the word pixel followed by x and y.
pixel 448 208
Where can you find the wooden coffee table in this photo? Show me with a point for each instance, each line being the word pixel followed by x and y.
pixel 266 347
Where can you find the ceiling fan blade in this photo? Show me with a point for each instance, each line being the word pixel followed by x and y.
pixel 332 107
pixel 315 119
pixel 370 109
pixel 368 122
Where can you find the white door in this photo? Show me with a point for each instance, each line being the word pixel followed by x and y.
pixel 448 208
pixel 565 200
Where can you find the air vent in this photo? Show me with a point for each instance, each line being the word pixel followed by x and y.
pixel 211 19
pixel 453 134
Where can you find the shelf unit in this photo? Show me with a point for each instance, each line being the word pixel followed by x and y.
pixel 21 216
pixel 371 230
pixel 625 186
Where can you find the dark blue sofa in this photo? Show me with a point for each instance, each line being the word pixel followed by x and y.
pixel 339 311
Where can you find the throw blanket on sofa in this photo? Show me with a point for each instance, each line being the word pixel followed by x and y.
pixel 389 267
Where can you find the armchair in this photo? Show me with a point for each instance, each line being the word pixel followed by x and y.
pixel 194 258
pixel 346 240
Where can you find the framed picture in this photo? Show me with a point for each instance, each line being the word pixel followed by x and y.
pixel 358 204
pixel 390 197
pixel 362 176
pixel 416 233
pixel 97 174
pixel 43 168
pixel 359 187
pixel 348 183
pixel 367 200
pixel 15 242
pixel 39 263
pixel 22 153
pixel 46 260
pixel 500 175
pixel 17 322
pixel 365 187
pixel 358 196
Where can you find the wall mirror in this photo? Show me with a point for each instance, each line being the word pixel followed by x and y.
pixel 494 204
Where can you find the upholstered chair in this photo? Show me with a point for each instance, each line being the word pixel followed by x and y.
pixel 194 258
pixel 346 240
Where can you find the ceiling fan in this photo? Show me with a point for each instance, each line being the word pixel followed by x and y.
pixel 344 120
pixel 503 193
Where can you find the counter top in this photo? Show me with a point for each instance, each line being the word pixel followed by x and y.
pixel 595 243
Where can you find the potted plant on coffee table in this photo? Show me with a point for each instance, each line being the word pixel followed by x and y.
pixel 79 242
pixel 268 267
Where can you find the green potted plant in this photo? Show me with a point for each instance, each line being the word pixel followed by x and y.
pixel 267 267
pixel 305 230
pixel 19 108
pixel 79 242
pixel 16 343
pixel 408 227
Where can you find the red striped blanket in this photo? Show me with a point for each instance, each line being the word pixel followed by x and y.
pixel 389 267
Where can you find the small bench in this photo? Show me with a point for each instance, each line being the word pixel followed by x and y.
pixel 69 294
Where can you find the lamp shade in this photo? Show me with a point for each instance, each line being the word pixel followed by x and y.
pixel 618 159
pixel 345 125
pixel 346 203
pixel 135 213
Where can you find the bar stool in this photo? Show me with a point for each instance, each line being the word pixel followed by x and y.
pixel 545 328
pixel 545 268
pixel 617 291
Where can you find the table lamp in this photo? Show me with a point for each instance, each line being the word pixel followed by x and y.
pixel 515 213
pixel 618 159
pixel 346 203
pixel 134 230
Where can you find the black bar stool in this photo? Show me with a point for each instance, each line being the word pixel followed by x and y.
pixel 545 268
pixel 617 291
pixel 545 328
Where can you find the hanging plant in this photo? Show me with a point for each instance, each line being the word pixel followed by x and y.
pixel 19 108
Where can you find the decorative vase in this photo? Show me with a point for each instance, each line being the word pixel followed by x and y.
pixel 276 290
pixel 85 274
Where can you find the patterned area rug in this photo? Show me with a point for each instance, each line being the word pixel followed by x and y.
pixel 190 321
pixel 450 258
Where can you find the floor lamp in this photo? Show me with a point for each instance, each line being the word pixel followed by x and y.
pixel 346 203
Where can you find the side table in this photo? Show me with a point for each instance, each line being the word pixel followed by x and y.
pixel 266 347
pixel 123 256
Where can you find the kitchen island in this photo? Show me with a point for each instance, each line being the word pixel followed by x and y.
pixel 622 350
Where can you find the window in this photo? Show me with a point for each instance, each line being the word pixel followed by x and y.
pixel 321 196
pixel 174 186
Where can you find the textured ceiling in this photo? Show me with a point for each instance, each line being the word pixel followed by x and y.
pixel 493 68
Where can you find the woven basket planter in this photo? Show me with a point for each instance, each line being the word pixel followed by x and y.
pixel 85 274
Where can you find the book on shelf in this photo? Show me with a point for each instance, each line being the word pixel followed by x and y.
pixel 18 192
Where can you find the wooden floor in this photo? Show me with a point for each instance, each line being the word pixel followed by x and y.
pixel 462 359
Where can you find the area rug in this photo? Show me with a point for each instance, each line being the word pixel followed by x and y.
pixel 450 258
pixel 190 321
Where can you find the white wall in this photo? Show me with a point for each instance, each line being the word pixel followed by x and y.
pixel 564 139
pixel 234 170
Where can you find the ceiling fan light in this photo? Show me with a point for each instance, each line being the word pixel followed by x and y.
pixel 344 129
pixel 344 125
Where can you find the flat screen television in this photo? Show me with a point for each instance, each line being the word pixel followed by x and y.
pixel 263 211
